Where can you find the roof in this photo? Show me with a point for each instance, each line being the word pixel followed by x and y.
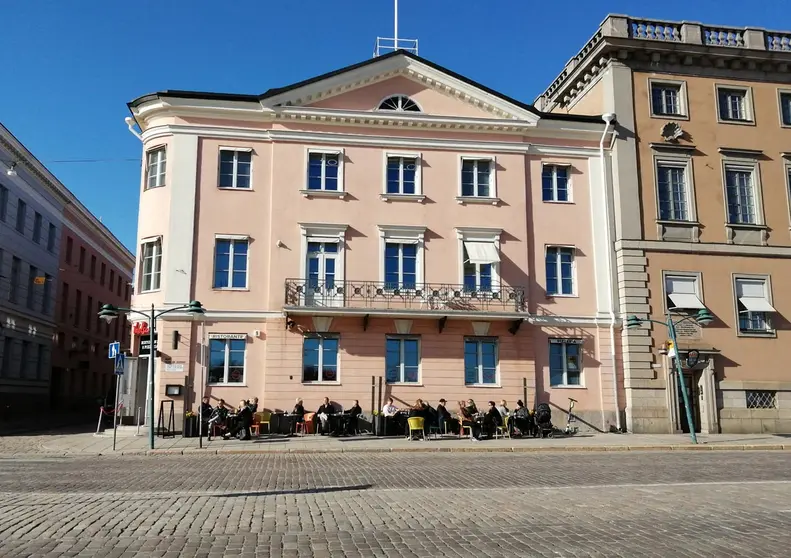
pixel 279 90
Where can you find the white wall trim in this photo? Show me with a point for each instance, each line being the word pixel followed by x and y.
pixel 705 248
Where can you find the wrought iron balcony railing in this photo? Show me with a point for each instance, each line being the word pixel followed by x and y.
pixel 376 295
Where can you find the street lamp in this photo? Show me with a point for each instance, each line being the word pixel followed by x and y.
pixel 109 312
pixel 703 318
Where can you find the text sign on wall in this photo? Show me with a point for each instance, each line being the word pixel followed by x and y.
pixel 565 341
pixel 227 336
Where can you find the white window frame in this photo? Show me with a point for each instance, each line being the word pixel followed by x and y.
pixel 697 279
pixel 400 109
pixel 161 166
pixel 566 384
pixel 482 339
pixel 683 105
pixel 780 93
pixel 787 171
pixel 403 234
pixel 574 283
pixel 767 281
pixel 749 107
pixel 226 364
pixel 418 195
pixel 401 339
pixel 677 161
pixel 479 234
pixel 341 191
pixel 233 238
pixel 235 151
pixel 321 336
pixel 569 185
pixel 324 233
pixel 740 165
pixel 156 264
pixel 493 195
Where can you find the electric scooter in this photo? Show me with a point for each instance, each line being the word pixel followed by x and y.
pixel 571 430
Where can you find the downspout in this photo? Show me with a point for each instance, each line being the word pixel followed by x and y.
pixel 130 123
pixel 608 120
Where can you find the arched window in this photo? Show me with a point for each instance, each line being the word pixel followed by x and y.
pixel 399 103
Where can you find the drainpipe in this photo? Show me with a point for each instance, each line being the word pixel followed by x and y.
pixel 608 121
pixel 130 123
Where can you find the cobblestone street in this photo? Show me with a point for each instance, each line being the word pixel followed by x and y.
pixel 327 505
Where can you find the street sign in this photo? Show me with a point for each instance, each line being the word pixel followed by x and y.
pixel 113 349
pixel 39 280
pixel 120 359
pixel 145 344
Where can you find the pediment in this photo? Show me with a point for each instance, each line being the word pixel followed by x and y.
pixel 437 91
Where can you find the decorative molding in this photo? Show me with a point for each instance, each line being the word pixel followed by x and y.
pixel 481 329
pixel 705 248
pixel 403 327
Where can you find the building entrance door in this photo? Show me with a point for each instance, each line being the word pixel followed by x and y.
pixel 693 392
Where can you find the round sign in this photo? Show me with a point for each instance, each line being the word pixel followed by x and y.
pixel 692 358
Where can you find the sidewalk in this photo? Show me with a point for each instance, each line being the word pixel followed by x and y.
pixel 72 444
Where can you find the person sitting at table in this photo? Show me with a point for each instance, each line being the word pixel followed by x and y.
pixel 354 413
pixel 502 408
pixel 299 414
pixel 492 419
pixel 324 413
pixel 206 409
pixel 522 421
pixel 244 418
pixel 443 415
pixel 467 412
pixel 254 405
pixel 390 414
pixel 389 409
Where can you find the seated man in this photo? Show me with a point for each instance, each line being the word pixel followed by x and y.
pixel 389 412
pixel 354 414
pixel 244 418
pixel 443 415
pixel 492 420
pixel 324 413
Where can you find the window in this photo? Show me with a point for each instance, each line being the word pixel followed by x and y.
pixel 77 307
pixel 120 283
pixel 733 104
pixel 13 291
pixel 8 347
pixel 51 236
pixel 21 215
pixel 753 305
pixel 480 259
pixel 226 361
pixel 560 270
pixel 324 171
pixel 41 357
pixel 93 267
pixel 402 360
pixel 322 268
pixel 480 361
pixel 682 292
pixel 155 168
pixel 38 222
pixel 102 274
pixel 761 399
pixel 400 103
pixel 152 267
pixel 740 195
pixel 230 263
pixel 785 109
pixel 666 99
pixel 64 302
pixel 477 178
pixel 400 265
pixel 31 287
pixel 99 321
pixel 564 362
pixel 402 175
pixel 3 203
pixel 555 183
pixel 24 357
pixel 89 307
pixel 82 260
pixel 69 248
pixel 320 358
pixel 672 186
pixel 235 168
pixel 46 303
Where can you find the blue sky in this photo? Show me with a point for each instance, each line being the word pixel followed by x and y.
pixel 69 67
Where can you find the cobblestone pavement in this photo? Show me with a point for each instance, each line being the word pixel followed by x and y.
pixel 648 504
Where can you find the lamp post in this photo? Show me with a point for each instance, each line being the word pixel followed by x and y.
pixel 703 317
pixel 109 312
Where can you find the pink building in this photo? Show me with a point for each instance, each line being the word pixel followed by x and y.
pixel 391 223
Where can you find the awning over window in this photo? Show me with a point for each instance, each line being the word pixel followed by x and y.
pixel 686 301
pixel 481 252
pixel 752 295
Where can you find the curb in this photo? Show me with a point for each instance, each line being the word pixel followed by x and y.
pixel 425 449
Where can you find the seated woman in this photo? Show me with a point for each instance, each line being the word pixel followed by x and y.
pixel 467 412
pixel 244 418
pixel 299 414
pixel 522 422
pixel 492 419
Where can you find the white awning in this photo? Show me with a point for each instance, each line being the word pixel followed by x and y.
pixel 686 301
pixel 756 304
pixel 481 252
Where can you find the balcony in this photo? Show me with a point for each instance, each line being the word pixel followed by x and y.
pixel 426 299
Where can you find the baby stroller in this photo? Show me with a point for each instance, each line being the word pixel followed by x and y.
pixel 543 418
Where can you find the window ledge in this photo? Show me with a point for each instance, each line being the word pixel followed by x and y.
pixel 737 122
pixel 227 385
pixel 321 383
pixel 677 223
pixel 322 194
pixel 233 189
pixel 563 296
pixel 482 386
pixel 747 226
pixel 560 202
pixel 767 334
pixel 402 197
pixel 407 384
pixel 232 289
pixel 461 200
pixel 148 292
pixel 146 189
pixel 564 386
pixel 670 116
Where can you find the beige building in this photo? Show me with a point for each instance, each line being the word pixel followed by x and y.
pixel 701 169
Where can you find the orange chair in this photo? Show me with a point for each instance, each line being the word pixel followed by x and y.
pixel 308 426
pixel 262 418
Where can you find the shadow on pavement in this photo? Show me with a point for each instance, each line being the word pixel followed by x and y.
pixel 322 490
